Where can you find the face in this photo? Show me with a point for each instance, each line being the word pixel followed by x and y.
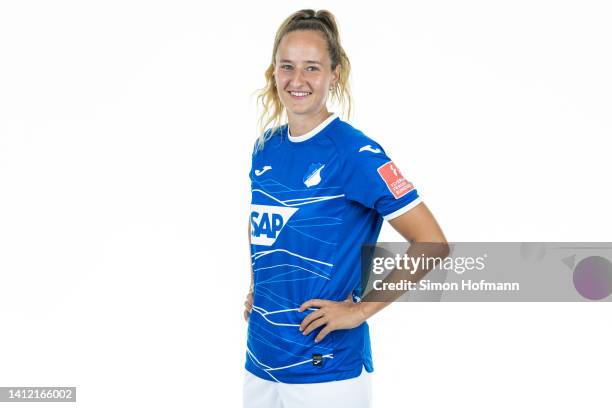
pixel 303 65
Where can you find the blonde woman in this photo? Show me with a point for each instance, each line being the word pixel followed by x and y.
pixel 320 189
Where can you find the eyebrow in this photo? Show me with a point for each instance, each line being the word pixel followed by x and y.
pixel 307 61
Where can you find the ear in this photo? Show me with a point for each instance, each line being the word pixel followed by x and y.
pixel 336 74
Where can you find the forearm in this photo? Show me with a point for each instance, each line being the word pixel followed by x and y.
pixel 376 300
pixel 251 285
pixel 250 261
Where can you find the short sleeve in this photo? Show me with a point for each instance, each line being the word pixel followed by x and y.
pixel 253 153
pixel 373 180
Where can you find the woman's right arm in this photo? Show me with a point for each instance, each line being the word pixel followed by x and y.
pixel 249 299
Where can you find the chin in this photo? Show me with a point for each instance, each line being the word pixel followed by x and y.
pixel 298 109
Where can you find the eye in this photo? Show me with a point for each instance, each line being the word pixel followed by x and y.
pixel 285 65
pixel 314 68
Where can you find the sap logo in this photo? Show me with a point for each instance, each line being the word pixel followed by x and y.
pixel 267 221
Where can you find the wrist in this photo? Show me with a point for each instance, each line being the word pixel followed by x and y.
pixel 363 310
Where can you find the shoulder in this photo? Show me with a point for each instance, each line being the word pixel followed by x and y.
pixel 271 137
pixel 350 141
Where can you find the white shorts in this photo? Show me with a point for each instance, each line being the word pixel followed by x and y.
pixel 354 392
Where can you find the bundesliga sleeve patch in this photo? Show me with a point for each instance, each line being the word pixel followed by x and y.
pixel 396 183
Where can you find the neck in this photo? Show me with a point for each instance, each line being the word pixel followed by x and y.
pixel 302 124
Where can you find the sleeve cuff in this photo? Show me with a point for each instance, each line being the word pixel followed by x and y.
pixel 404 209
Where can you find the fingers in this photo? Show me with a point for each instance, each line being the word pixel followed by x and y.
pixel 308 319
pixel 324 332
pixel 248 305
pixel 315 303
pixel 314 325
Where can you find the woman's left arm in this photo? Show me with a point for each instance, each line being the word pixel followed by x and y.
pixel 419 227
pixel 416 225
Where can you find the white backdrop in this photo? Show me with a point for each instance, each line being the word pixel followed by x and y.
pixel 125 136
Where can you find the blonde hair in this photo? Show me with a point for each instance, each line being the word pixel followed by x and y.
pixel 307 19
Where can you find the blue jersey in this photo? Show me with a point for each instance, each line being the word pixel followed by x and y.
pixel 316 199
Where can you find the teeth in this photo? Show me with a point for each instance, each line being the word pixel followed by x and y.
pixel 300 93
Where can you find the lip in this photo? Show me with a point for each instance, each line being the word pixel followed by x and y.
pixel 299 98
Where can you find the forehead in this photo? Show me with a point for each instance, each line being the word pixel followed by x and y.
pixel 302 45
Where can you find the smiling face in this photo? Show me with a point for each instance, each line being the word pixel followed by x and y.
pixel 303 72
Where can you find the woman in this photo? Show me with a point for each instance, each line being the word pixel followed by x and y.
pixel 320 189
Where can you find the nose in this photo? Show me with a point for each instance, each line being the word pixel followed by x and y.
pixel 297 79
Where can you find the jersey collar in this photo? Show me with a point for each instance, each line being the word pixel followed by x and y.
pixel 314 131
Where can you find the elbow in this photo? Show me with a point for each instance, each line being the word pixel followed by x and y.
pixel 441 248
pixel 444 249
